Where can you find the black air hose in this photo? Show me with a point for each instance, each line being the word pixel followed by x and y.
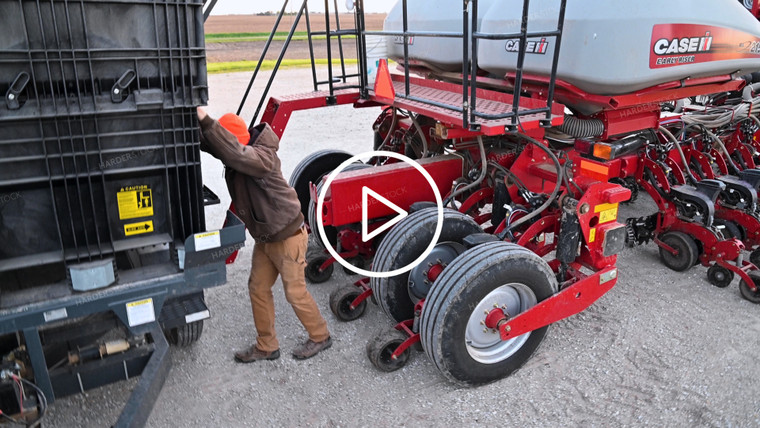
pixel 581 128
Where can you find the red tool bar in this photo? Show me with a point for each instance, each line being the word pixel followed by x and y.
pixel 400 183
pixel 570 301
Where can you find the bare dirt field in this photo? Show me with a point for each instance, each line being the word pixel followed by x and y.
pixel 264 24
pixel 298 49
pixel 251 51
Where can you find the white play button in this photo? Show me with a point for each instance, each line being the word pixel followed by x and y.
pixel 388 205
pixel 366 193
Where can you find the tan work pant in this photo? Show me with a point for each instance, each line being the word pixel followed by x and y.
pixel 288 259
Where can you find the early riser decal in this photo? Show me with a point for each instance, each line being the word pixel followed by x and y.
pixel 683 44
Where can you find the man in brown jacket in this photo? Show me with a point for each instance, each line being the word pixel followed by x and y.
pixel 271 212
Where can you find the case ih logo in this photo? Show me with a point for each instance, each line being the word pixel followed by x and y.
pixel 684 45
pixel 675 45
pixel 531 46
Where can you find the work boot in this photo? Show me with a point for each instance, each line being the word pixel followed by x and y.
pixel 255 354
pixel 311 348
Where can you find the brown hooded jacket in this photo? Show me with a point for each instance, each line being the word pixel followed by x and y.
pixel 265 202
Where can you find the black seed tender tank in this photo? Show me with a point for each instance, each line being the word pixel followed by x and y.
pixel 608 48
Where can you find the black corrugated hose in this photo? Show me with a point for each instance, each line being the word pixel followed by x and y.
pixel 581 128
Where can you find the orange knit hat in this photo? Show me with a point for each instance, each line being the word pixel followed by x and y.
pixel 236 125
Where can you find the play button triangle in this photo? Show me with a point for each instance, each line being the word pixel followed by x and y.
pixel 366 193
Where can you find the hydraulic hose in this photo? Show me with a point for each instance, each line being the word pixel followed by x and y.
pixel 423 138
pixel 554 194
pixel 723 149
pixel 674 140
pixel 387 138
pixel 581 128
pixel 481 177
pixel 749 90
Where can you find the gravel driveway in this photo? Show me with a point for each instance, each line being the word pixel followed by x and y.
pixel 661 349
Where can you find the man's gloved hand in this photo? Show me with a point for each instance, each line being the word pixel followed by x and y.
pixel 201 113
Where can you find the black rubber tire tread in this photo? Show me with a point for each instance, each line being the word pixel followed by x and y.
pixel 384 342
pixel 754 257
pixel 340 301
pixel 458 286
pixel 713 270
pixel 330 232
pixel 402 245
pixel 681 242
pixel 310 169
pixel 311 271
pixel 185 335
pixel 745 291
pixel 357 261
pixel 732 230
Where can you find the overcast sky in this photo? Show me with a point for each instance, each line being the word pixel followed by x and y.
pixel 229 7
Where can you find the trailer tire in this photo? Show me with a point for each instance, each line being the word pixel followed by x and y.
pixel 185 335
pixel 450 329
pixel 311 169
pixel 687 251
pixel 402 245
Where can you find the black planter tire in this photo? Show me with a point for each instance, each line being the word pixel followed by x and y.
pixel 450 329
pixel 719 276
pixel 340 303
pixel 311 169
pixel 358 262
pixel 747 293
pixel 688 252
pixel 731 229
pixel 185 335
pixel 405 243
pixel 312 270
pixel 754 257
pixel 381 347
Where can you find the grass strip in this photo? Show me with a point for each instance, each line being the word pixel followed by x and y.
pixel 262 37
pixel 235 66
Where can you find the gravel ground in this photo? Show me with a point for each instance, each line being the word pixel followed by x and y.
pixel 661 349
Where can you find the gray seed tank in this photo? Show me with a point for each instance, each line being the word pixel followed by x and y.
pixel 444 54
pixel 608 47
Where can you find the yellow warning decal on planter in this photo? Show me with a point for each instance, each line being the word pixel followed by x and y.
pixel 592 235
pixel 607 212
pixel 135 202
pixel 138 228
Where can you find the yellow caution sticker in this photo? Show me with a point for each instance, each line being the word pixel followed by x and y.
pixel 592 235
pixel 135 202
pixel 207 240
pixel 607 212
pixel 138 228
pixel 140 312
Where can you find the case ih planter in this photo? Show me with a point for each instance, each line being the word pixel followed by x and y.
pixel 530 231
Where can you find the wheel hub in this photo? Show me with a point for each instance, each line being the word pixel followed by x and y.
pixel 422 277
pixel 482 336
